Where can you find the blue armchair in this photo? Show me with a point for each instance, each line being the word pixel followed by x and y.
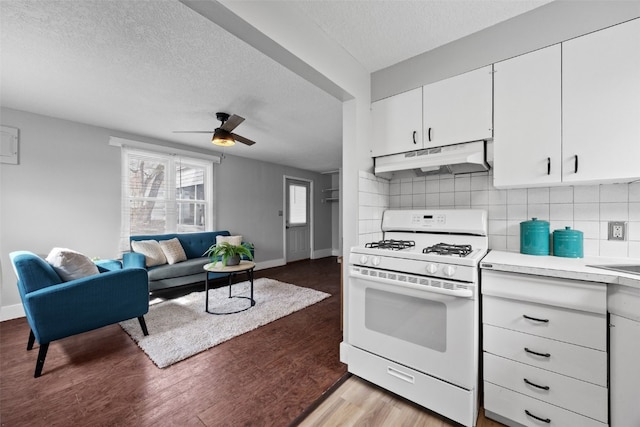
pixel 57 309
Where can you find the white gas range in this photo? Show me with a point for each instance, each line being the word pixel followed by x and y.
pixel 413 308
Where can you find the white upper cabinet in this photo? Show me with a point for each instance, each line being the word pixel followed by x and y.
pixel 570 113
pixel 458 109
pixel 528 119
pixel 397 123
pixel 601 105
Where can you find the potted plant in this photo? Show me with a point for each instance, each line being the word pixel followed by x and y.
pixel 228 253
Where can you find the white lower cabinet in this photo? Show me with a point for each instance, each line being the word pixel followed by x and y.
pixel 544 353
pixel 624 305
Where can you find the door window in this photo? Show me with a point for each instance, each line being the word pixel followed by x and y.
pixel 297 204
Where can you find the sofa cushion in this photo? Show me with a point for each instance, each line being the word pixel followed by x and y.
pixel 172 250
pixel 151 250
pixel 71 265
pixel 185 268
pixel 233 240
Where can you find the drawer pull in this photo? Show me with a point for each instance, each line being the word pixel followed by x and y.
pixel 536 353
pixel 400 375
pixel 544 420
pixel 535 319
pixel 542 387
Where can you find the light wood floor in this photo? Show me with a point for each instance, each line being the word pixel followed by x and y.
pixel 359 403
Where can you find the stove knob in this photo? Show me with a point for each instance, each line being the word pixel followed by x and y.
pixel 375 261
pixel 364 259
pixel 449 270
pixel 432 268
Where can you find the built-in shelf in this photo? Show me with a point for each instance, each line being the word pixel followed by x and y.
pixel 332 197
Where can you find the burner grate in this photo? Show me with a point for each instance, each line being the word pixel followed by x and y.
pixel 391 244
pixel 448 249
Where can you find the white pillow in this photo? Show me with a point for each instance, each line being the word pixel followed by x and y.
pixel 172 250
pixel 151 250
pixel 234 240
pixel 71 265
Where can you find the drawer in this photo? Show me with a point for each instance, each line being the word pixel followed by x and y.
pixel 522 409
pixel 568 393
pixel 571 326
pixel 567 293
pixel 446 399
pixel 582 363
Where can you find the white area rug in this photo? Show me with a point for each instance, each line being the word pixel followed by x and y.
pixel 180 328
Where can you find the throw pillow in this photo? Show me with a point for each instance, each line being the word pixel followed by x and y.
pixel 71 265
pixel 151 250
pixel 234 240
pixel 172 250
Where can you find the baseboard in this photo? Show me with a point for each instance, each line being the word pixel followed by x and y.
pixel 336 252
pixel 322 253
pixel 11 312
pixel 270 264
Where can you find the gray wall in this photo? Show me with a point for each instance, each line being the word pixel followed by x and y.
pixel 66 192
pixel 549 24
pixel 250 197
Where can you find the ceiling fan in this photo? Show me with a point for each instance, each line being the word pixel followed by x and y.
pixel 222 136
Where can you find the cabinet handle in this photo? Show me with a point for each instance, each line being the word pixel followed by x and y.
pixel 544 420
pixel 576 168
pixel 429 134
pixel 535 319
pixel 548 165
pixel 542 387
pixel 414 137
pixel 536 353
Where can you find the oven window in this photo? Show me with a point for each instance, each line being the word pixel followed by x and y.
pixel 416 320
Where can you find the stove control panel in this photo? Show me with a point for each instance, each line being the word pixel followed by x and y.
pixel 428 220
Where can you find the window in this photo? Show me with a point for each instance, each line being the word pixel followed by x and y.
pixel 164 193
pixel 297 204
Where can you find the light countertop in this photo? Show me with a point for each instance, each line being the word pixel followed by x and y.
pixel 566 268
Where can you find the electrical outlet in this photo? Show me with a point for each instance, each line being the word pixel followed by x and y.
pixel 617 230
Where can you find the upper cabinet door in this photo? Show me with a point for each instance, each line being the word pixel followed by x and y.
pixel 458 109
pixel 601 105
pixel 528 119
pixel 397 123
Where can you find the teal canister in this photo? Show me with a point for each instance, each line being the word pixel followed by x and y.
pixel 534 237
pixel 568 243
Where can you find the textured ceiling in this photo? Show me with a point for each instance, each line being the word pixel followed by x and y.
pixel 152 67
pixel 380 33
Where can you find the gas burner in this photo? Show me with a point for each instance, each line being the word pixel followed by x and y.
pixel 391 244
pixel 447 249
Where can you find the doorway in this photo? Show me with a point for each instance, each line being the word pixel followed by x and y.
pixel 297 219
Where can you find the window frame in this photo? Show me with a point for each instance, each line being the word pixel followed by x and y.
pixel 171 200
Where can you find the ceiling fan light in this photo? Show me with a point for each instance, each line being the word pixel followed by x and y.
pixel 223 138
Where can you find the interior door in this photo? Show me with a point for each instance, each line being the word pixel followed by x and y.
pixel 298 230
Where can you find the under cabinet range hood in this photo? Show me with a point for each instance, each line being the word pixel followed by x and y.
pixel 449 159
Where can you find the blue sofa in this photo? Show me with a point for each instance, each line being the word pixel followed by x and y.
pixel 182 273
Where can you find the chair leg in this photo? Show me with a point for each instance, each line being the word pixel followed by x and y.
pixel 32 339
pixel 42 354
pixel 143 325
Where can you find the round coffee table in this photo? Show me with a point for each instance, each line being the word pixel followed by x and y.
pixel 231 270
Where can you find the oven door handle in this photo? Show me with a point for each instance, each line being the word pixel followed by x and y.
pixel 459 293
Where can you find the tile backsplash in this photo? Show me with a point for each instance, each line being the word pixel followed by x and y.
pixel 584 208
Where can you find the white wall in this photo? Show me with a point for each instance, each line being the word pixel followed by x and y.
pixel 66 192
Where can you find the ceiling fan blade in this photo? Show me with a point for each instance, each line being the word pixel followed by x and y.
pixel 242 139
pixel 193 131
pixel 232 123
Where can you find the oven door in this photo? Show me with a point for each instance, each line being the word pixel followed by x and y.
pixel 432 331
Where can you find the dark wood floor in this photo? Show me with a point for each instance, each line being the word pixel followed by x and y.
pixel 101 378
